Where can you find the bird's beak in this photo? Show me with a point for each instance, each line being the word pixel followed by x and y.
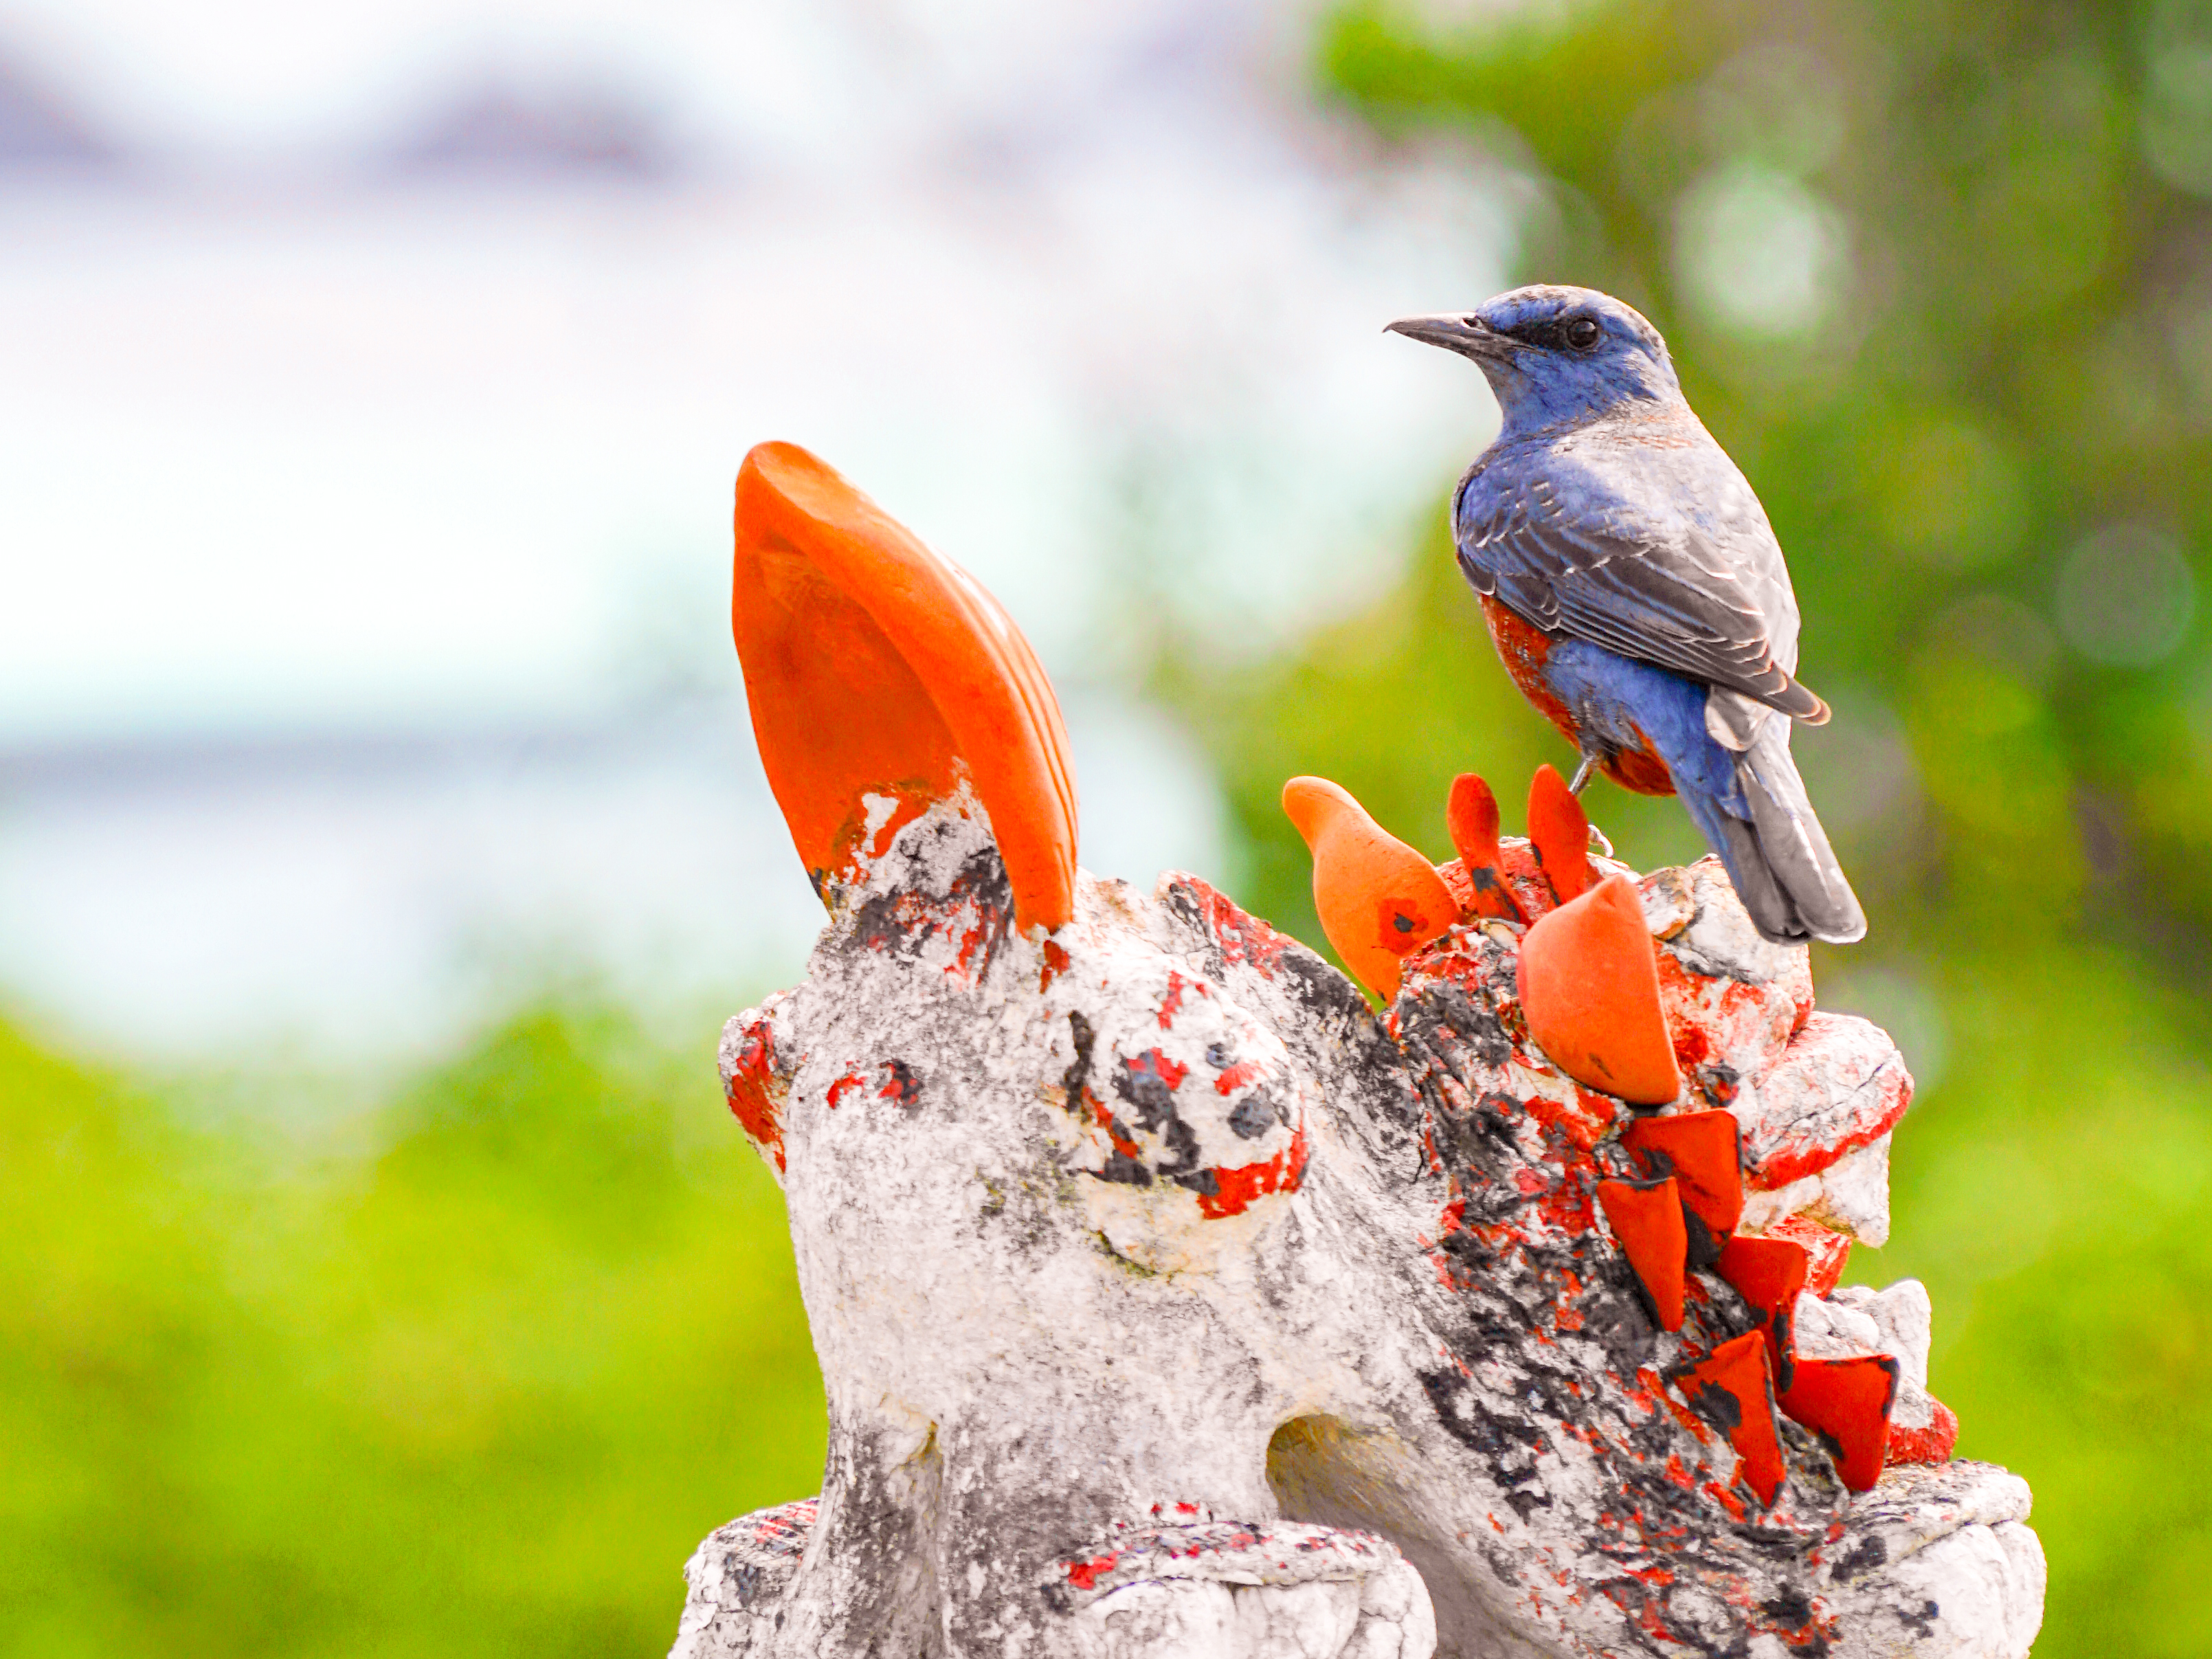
pixel 1468 336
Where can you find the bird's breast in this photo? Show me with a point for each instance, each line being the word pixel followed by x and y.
pixel 1526 651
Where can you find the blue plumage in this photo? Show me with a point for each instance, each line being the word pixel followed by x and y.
pixel 1623 703
pixel 1606 523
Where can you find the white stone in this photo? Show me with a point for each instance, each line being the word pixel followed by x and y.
pixel 1851 1195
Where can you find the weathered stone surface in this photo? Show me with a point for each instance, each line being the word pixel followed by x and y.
pixel 1939 1562
pixel 1156 1218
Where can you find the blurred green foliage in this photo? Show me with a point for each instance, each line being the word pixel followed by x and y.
pixel 1940 277
pixel 471 1378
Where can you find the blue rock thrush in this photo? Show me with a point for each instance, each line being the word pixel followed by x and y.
pixel 1635 592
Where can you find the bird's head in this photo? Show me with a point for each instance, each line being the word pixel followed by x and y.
pixel 1555 355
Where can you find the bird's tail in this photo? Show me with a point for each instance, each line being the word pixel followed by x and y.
pixel 1779 858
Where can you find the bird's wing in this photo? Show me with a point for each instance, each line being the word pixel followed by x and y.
pixel 1709 600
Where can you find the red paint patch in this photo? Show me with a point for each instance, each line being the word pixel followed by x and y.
pixel 1055 965
pixel 1238 1189
pixel 1792 1150
pixel 1700 1150
pixel 844 1086
pixel 1724 1030
pixel 1768 1273
pixel 1827 1252
pixel 969 942
pixel 1234 1076
pixel 911 804
pixel 1243 938
pixel 899 1083
pixel 1933 1444
pixel 1085 1574
pixel 1581 1122
pixel 1152 1061
pixel 1846 1402
pixel 1647 1223
pixel 1795 1163
pixel 756 1093
pixel 1171 1004
pixel 1730 1388
pixel 1525 877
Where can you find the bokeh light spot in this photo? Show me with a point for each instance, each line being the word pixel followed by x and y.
pixel 2176 129
pixel 2125 597
pixel 1759 253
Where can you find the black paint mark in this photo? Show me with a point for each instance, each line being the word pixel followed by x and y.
pixel 1079 1070
pixel 1719 1407
pixel 1870 1553
pixel 1255 1116
pixel 1182 1141
pixel 1790 1607
pixel 1705 1248
pixel 1525 1503
pixel 1923 1622
pixel 1146 1091
pixel 1125 1170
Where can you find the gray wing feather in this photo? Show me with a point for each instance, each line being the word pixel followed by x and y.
pixel 1705 594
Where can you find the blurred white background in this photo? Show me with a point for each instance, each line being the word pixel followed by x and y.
pixel 371 387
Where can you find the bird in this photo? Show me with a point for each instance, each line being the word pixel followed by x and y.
pixel 1635 592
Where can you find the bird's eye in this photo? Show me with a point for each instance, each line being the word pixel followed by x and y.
pixel 1582 333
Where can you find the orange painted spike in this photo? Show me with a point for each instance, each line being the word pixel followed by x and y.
pixel 1561 832
pixel 1830 1252
pixel 1846 1402
pixel 1647 1222
pixel 876 667
pixel 1730 1389
pixel 1471 816
pixel 1589 989
pixel 1378 899
pixel 1702 1151
pixel 1768 1273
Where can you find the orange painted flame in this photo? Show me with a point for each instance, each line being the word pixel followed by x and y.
pixel 876 667
pixel 1471 817
pixel 1589 988
pixel 1378 899
pixel 1559 831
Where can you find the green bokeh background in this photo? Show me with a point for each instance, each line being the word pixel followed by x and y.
pixel 470 1372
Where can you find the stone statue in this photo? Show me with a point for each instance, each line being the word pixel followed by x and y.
pixel 1172 1301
